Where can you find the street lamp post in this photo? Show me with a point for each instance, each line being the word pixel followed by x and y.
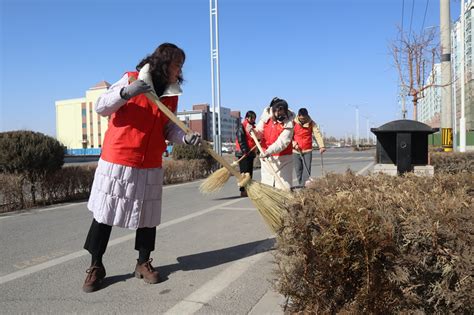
pixel 215 77
pixel 357 124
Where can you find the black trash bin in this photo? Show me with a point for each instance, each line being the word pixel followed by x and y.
pixel 403 143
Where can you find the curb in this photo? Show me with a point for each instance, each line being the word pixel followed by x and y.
pixel 270 304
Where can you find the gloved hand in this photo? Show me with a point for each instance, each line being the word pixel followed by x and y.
pixel 135 88
pixel 264 155
pixel 248 128
pixel 192 139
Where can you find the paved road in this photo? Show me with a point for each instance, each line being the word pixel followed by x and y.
pixel 214 252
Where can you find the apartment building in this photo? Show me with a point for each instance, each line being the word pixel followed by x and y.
pixel 78 126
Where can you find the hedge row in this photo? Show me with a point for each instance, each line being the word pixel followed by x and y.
pixel 452 162
pixel 74 183
pixel 380 245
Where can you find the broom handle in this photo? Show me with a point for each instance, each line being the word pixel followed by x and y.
pixel 188 131
pixel 257 143
pixel 246 154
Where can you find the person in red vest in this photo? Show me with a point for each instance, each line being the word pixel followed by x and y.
pixel 244 145
pixel 275 130
pixel 305 129
pixel 127 187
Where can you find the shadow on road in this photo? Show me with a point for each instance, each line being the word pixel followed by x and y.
pixel 115 279
pixel 216 257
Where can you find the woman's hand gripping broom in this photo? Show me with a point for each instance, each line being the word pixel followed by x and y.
pixel 270 165
pixel 270 202
pixel 217 180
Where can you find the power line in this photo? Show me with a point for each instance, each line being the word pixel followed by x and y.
pixel 411 19
pixel 424 18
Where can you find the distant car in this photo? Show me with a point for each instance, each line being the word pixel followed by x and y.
pixel 227 150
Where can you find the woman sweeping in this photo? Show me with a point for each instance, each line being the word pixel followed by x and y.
pixel 127 188
pixel 275 130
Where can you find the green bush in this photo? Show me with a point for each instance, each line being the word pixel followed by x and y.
pixel 31 155
pixel 380 245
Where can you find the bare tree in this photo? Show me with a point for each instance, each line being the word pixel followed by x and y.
pixel 414 56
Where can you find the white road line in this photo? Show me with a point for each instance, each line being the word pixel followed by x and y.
pixel 196 300
pixel 237 208
pixel 63 259
pixel 35 210
pixel 362 171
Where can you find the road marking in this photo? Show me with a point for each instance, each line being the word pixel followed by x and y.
pixel 362 171
pixel 196 300
pixel 63 259
pixel 35 210
pixel 237 208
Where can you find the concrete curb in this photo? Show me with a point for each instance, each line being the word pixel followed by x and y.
pixel 270 304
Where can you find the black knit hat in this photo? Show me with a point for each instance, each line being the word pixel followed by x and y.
pixel 277 103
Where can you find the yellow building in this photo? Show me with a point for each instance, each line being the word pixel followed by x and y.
pixel 78 126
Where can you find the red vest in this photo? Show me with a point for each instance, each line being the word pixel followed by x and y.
pixel 271 132
pixel 303 136
pixel 250 142
pixel 135 135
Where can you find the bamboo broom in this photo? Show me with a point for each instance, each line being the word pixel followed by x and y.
pixel 271 203
pixel 217 180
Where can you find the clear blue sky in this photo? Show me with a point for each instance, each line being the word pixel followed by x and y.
pixel 320 54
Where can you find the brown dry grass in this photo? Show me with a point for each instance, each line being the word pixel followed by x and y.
pixel 380 244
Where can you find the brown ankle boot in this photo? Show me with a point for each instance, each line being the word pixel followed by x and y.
pixel 95 275
pixel 147 272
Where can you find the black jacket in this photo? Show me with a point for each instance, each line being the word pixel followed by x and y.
pixel 242 140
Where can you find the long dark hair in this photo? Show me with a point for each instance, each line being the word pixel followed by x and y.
pixel 159 62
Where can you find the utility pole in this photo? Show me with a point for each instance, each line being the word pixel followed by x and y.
pixel 462 120
pixel 357 127
pixel 446 90
pixel 215 77
pixel 368 129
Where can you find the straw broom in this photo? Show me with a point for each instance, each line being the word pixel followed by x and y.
pixel 217 180
pixel 271 203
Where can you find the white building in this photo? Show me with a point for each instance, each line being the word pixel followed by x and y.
pixel 469 66
pixel 429 106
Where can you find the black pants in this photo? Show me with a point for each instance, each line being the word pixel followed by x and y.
pixel 99 234
pixel 246 166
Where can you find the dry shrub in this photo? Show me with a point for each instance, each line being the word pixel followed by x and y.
pixel 178 171
pixel 12 194
pixel 452 162
pixel 69 183
pixel 380 244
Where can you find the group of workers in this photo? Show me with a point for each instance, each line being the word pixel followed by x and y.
pixel 128 182
pixel 286 141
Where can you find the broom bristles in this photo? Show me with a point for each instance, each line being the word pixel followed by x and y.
pixel 215 181
pixel 272 203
